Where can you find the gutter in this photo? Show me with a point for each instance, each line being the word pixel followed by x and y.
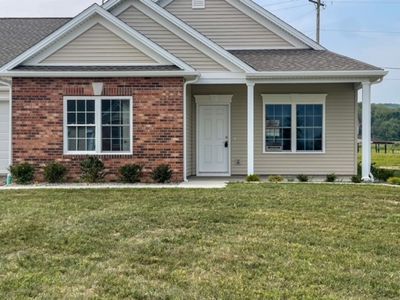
pixel 308 74
pixel 185 123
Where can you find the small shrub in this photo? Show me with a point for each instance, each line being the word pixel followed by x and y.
pixel 381 174
pixel 162 174
pixel 378 173
pixel 130 173
pixel 331 177
pixel 23 173
pixel 253 178
pixel 276 179
pixel 92 169
pixel 394 180
pixel 55 172
pixel 356 179
pixel 302 178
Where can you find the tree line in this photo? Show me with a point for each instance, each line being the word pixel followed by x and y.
pixel 385 121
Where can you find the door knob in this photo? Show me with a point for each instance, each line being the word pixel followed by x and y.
pixel 226 144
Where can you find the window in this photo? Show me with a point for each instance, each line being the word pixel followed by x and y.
pixel 95 125
pixel 278 127
pixel 294 123
pixel 309 127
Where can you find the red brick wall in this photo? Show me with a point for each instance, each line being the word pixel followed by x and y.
pixel 157 122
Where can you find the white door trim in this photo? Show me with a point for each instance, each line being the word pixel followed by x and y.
pixel 213 100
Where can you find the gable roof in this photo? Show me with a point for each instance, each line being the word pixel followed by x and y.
pixel 300 60
pixel 180 25
pixel 19 34
pixel 94 10
pixel 264 17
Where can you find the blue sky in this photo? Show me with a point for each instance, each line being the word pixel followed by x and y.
pixel 346 25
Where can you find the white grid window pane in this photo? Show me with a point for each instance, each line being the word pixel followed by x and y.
pixel 309 127
pixel 278 127
pixel 80 125
pixel 115 127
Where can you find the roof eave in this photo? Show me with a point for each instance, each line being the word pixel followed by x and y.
pixel 99 74
pixel 313 74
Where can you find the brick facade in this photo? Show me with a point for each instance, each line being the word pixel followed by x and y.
pixel 157 122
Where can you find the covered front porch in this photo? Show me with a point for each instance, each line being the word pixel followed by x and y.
pixel 230 132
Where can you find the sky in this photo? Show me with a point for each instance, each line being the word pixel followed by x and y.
pixel 368 30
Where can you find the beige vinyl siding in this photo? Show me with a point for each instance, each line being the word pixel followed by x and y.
pixel 340 156
pixel 226 25
pixel 101 46
pixel 168 40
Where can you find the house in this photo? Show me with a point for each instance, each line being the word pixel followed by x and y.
pixel 210 87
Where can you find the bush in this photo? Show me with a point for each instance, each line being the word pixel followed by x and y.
pixel 394 180
pixel 162 174
pixel 55 172
pixel 253 178
pixel 302 178
pixel 130 173
pixel 92 170
pixel 23 173
pixel 378 173
pixel 331 177
pixel 356 179
pixel 275 179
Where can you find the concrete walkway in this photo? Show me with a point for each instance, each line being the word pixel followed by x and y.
pixel 191 184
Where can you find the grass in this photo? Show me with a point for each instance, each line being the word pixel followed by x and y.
pixel 244 242
pixel 388 160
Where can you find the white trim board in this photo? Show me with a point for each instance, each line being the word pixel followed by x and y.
pixel 209 100
pixel 117 24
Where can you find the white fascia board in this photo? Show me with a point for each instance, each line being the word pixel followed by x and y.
pixel 281 24
pixel 99 74
pixel 95 9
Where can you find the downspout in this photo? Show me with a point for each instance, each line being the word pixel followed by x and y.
pixel 185 123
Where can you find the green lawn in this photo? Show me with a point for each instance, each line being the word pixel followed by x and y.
pixel 388 160
pixel 244 242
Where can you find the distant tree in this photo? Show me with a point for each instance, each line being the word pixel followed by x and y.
pixel 385 121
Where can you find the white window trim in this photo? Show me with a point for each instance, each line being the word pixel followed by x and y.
pixel 97 125
pixel 294 99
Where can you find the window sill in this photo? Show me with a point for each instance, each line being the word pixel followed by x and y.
pixel 298 152
pixel 97 154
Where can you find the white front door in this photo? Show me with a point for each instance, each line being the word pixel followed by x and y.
pixel 213 140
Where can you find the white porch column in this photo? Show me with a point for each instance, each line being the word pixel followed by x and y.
pixel 366 131
pixel 250 128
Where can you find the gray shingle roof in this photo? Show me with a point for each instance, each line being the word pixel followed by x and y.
pixel 299 60
pixel 95 68
pixel 19 34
